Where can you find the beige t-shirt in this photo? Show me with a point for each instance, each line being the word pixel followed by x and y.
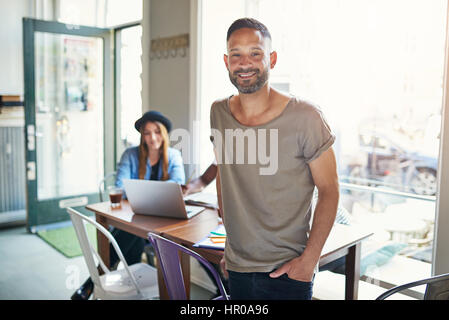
pixel 266 183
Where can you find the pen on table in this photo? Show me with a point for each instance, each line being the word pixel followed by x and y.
pixel 218 240
pixel 190 176
pixel 218 234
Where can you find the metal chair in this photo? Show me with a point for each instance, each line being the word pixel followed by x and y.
pixel 437 288
pixel 167 254
pixel 138 281
pixel 102 185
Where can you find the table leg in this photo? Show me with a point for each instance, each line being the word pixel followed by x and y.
pixel 352 272
pixel 103 243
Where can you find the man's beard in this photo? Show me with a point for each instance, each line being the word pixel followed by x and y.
pixel 261 80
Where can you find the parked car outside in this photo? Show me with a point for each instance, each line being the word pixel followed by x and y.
pixel 389 163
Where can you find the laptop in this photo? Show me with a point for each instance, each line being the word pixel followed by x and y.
pixel 158 198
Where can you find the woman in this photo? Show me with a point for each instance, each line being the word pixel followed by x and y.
pixel 153 159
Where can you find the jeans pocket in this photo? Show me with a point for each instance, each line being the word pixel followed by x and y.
pixel 298 281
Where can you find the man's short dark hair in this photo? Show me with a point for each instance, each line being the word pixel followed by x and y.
pixel 248 23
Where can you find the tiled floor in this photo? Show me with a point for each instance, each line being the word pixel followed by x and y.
pixel 31 269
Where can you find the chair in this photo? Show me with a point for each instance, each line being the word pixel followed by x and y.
pixel 138 281
pixel 167 254
pixel 437 288
pixel 102 185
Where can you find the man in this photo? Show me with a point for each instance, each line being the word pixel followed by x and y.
pixel 271 252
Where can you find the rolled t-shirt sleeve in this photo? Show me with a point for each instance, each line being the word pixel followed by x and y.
pixel 318 136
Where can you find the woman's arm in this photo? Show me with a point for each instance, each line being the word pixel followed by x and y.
pixel 176 167
pixel 123 169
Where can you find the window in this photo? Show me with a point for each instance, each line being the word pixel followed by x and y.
pixel 129 70
pixel 99 13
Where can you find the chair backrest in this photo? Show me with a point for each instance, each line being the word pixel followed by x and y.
pixel 437 288
pixel 102 186
pixel 167 253
pixel 89 251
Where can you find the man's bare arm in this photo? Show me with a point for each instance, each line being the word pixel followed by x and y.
pixel 198 184
pixel 324 173
pixel 220 203
pixel 220 213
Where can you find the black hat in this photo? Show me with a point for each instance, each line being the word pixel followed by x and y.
pixel 153 116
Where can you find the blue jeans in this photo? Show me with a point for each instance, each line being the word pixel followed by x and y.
pixel 259 286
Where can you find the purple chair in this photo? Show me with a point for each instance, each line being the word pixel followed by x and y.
pixel 167 254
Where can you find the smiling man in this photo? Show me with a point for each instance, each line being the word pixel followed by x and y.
pixel 271 252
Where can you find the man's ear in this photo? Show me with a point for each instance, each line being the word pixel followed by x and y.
pixel 225 58
pixel 273 59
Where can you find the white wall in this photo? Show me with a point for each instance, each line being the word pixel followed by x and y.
pixel 168 78
pixel 169 85
pixel 11 57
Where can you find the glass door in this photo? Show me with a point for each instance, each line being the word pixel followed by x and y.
pixel 69 117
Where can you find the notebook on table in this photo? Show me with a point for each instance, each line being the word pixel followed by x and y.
pixel 205 199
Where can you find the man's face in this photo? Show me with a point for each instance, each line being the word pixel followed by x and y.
pixel 249 60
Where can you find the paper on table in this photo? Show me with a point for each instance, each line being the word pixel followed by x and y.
pixel 220 231
pixel 202 198
pixel 209 244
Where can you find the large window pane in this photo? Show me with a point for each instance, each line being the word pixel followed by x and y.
pixel 129 70
pixel 99 13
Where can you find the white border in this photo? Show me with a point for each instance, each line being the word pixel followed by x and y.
pixel 441 248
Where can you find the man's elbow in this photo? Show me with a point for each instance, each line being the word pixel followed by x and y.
pixel 329 192
pixel 329 186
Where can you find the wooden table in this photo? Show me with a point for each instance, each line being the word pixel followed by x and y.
pixel 125 219
pixel 342 241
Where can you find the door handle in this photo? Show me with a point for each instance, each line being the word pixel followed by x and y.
pixel 31 170
pixel 31 137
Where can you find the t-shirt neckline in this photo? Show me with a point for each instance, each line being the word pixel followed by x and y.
pixel 228 109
